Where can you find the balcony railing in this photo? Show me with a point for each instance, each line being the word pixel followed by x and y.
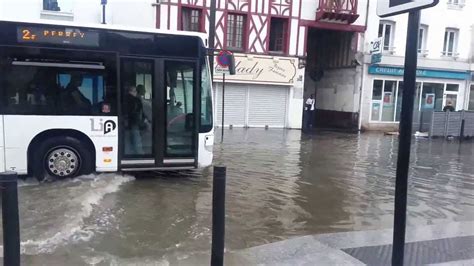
pixel 338 11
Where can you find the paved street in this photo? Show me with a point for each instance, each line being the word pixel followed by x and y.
pixel 284 190
pixel 451 243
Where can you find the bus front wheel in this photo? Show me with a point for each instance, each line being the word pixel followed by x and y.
pixel 62 157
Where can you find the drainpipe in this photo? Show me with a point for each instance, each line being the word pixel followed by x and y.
pixel 362 80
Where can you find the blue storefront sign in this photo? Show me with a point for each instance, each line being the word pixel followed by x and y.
pixel 421 73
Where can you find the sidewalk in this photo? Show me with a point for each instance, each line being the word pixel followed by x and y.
pixel 440 244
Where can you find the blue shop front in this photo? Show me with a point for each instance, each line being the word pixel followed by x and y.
pixel 383 94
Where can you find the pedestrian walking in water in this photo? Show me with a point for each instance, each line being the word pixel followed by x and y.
pixel 309 110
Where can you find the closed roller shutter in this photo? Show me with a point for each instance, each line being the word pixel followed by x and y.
pixel 235 104
pixel 267 106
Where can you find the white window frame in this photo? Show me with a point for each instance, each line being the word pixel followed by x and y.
pixel 454 52
pixel 388 47
pixel 422 43
pixel 380 102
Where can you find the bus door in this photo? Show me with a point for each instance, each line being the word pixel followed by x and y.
pixel 157 114
pixel 181 96
pixel 138 123
pixel 2 146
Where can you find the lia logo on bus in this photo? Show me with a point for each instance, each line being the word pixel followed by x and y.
pixel 100 126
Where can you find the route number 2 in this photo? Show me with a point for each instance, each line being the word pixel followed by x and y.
pixel 28 36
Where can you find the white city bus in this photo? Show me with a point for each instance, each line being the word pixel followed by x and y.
pixel 75 99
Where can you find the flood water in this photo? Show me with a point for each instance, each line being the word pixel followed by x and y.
pixel 280 184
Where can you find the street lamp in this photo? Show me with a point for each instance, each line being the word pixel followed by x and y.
pixel 103 3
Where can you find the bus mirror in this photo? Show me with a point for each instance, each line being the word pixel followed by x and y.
pixel 231 60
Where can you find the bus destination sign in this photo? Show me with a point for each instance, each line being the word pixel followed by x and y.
pixel 64 36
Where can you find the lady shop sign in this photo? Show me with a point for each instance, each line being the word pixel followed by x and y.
pixel 262 69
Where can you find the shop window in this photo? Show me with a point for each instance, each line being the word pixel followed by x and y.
pixel 399 99
pixel 388 103
pixel 387 96
pixel 378 87
pixel 387 33
pixel 235 31
pixel 376 100
pixel 452 87
pixel 398 106
pixel 191 19
pixel 278 32
pixel 432 96
pixel 450 42
pixel 471 98
pixel 422 39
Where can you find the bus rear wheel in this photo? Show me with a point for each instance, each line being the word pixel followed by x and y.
pixel 62 157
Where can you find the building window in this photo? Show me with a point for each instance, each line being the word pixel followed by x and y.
pixel 235 31
pixel 422 39
pixel 450 42
pixel 191 19
pixel 386 32
pixel 387 96
pixel 278 32
pixel 456 3
pixel 57 5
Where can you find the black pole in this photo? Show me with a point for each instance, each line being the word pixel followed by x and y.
pixel 10 218
pixel 212 35
pixel 223 98
pixel 420 127
pixel 103 14
pixel 406 119
pixel 218 216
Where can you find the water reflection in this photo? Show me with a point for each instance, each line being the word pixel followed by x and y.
pixel 283 184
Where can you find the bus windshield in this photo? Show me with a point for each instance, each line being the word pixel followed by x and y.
pixel 206 98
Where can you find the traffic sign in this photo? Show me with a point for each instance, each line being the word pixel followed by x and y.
pixel 221 70
pixel 387 8
pixel 223 59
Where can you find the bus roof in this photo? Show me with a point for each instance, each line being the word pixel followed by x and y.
pixel 117 27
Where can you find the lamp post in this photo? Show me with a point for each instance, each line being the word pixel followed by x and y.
pixel 103 3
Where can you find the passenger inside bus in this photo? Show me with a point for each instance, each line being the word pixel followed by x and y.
pixel 35 95
pixel 72 99
pixel 134 122
pixel 147 113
